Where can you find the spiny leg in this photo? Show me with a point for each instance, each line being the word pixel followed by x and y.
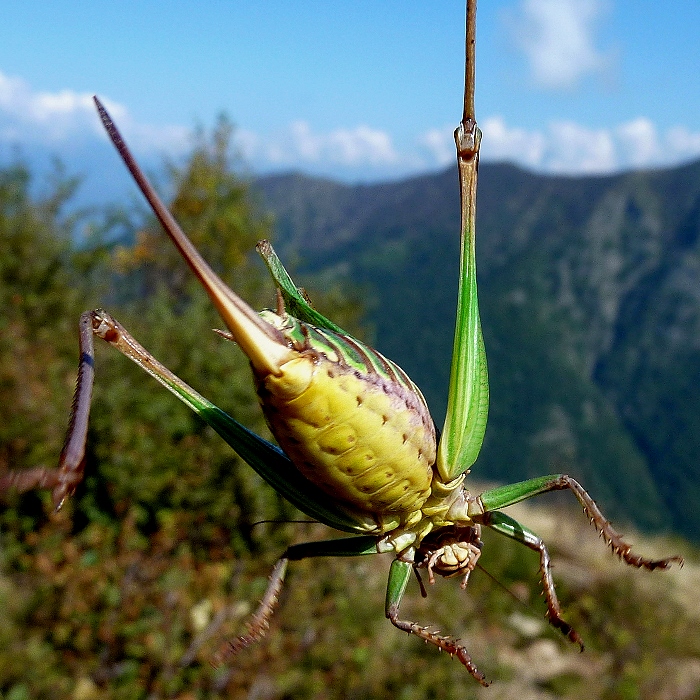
pixel 259 622
pixel 64 478
pixel 399 575
pixel 512 528
pixel 606 530
pixel 503 496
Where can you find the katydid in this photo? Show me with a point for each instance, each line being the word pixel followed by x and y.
pixel 358 449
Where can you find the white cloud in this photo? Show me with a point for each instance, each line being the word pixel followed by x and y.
pixel 440 144
pixel 65 123
pixel 500 142
pixel 54 118
pixel 297 145
pixel 682 144
pixel 57 120
pixel 640 142
pixel 563 147
pixel 574 148
pixel 558 39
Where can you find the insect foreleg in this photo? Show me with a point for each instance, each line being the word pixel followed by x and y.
pixel 512 528
pixel 399 575
pixel 514 493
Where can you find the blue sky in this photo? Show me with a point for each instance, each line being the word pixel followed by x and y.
pixel 360 90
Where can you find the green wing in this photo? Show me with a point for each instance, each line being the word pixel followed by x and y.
pixel 294 300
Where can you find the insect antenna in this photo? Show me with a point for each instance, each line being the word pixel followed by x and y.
pixel 282 521
pixel 505 588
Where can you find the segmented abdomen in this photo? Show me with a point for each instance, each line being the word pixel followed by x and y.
pixel 350 420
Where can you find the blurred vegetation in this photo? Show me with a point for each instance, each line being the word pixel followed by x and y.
pixel 161 554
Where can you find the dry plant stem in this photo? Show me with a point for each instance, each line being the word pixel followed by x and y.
pixel 470 63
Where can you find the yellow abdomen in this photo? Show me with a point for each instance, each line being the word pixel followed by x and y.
pixel 363 438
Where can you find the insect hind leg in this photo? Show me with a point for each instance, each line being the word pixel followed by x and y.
pixel 66 477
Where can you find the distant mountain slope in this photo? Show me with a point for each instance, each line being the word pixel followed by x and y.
pixel 590 301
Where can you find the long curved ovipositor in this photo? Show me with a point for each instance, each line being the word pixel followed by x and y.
pixel 349 419
pixel 262 344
